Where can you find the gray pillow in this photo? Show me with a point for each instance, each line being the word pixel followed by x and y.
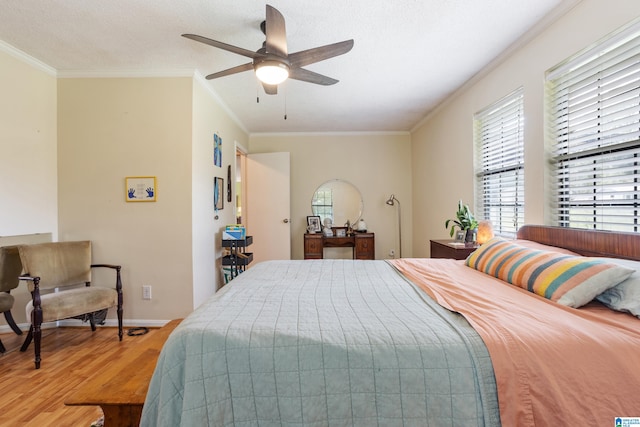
pixel 625 296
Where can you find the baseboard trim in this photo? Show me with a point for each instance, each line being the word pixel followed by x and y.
pixel 76 323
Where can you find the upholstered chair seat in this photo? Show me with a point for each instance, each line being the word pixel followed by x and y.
pixel 6 302
pixel 74 302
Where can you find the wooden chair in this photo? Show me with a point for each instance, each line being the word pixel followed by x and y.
pixel 10 269
pixel 64 266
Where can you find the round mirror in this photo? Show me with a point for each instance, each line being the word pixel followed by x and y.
pixel 339 200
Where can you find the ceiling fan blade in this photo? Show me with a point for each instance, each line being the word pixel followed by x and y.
pixel 224 46
pixel 270 89
pixel 310 56
pixel 234 70
pixel 311 77
pixel 276 33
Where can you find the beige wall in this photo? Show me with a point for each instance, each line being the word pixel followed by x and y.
pixel 375 163
pixel 28 183
pixel 162 127
pixel 109 129
pixel 66 147
pixel 442 146
pixel 28 168
pixel 206 231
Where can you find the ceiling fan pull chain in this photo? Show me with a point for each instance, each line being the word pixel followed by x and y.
pixel 285 102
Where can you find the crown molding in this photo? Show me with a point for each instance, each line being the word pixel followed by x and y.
pixel 27 59
pixel 198 77
pixel 333 133
pixel 565 7
pixel 131 73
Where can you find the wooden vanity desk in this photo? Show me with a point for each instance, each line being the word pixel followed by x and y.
pixel 363 245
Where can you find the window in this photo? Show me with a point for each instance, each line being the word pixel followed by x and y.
pixel 594 129
pixel 499 139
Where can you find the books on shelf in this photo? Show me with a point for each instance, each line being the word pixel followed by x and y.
pixel 234 232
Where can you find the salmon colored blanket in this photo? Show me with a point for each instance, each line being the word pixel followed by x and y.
pixel 554 365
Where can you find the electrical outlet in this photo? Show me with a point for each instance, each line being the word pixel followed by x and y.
pixel 146 292
pixel 392 253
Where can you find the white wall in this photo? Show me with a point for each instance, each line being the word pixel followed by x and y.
pixel 375 163
pixel 442 146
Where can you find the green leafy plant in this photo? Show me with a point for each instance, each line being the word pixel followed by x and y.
pixel 464 219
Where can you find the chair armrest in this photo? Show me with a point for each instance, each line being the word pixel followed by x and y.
pixel 118 279
pixel 35 280
pixel 36 284
pixel 115 267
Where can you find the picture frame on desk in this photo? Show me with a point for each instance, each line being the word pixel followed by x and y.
pixel 461 236
pixel 340 231
pixel 314 224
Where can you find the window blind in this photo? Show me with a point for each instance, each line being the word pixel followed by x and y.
pixel 593 101
pixel 499 139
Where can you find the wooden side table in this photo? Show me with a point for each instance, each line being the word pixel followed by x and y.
pixel 445 249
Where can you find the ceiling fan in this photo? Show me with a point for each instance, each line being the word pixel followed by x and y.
pixel 272 63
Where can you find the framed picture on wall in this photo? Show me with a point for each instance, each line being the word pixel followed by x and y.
pixel 140 188
pixel 217 150
pixel 218 195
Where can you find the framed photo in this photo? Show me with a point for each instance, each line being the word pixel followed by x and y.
pixel 313 224
pixel 341 231
pixel 140 189
pixel 217 150
pixel 218 189
pixel 461 236
pixel 229 183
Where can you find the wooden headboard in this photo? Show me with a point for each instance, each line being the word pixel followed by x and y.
pixel 585 242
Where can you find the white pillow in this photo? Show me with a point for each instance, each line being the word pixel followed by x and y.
pixel 625 296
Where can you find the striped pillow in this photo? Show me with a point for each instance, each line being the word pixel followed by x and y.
pixel 568 280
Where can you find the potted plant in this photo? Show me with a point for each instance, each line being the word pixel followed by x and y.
pixel 464 220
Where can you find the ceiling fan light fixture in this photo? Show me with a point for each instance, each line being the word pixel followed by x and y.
pixel 272 72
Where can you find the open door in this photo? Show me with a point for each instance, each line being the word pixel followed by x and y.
pixel 268 207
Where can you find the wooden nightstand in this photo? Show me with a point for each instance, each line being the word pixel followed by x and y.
pixel 444 249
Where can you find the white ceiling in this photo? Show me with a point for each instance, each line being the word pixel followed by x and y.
pixel 407 57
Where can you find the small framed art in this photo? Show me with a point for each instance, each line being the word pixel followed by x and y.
pixel 461 236
pixel 313 224
pixel 140 189
pixel 218 195
pixel 217 150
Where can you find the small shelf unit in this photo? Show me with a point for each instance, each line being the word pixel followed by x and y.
pixel 238 259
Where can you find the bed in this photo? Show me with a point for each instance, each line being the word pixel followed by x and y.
pixel 413 342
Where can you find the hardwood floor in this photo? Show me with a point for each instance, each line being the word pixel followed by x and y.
pixel 31 397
